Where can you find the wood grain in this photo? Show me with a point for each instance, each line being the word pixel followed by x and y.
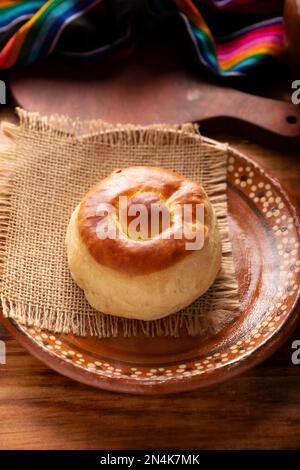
pixel 40 409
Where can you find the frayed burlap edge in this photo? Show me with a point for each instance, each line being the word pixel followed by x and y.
pixel 113 134
pixel 225 288
pixel 7 166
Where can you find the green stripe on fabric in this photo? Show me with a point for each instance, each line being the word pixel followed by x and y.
pixel 34 30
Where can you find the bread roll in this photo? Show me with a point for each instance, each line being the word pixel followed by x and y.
pixel 150 269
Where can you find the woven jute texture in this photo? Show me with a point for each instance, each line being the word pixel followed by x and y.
pixel 52 164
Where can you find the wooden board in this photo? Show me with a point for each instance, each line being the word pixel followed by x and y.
pixel 156 84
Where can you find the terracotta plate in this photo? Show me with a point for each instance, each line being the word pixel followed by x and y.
pixel 266 235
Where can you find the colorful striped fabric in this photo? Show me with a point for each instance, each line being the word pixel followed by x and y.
pixel 230 37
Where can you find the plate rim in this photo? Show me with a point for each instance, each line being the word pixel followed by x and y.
pixel 173 385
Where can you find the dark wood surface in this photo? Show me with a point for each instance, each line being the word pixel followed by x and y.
pixel 40 409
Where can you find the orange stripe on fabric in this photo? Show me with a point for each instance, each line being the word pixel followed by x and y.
pixel 193 14
pixel 229 63
pixel 12 3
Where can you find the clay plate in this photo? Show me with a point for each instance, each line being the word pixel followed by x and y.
pixel 265 231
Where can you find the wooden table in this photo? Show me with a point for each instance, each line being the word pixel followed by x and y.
pixel 40 409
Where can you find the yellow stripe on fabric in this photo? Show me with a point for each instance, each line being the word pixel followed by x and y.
pixel 193 14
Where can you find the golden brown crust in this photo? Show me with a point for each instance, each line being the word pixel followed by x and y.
pixel 147 185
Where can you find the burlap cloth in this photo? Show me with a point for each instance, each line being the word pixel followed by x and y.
pixel 52 164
